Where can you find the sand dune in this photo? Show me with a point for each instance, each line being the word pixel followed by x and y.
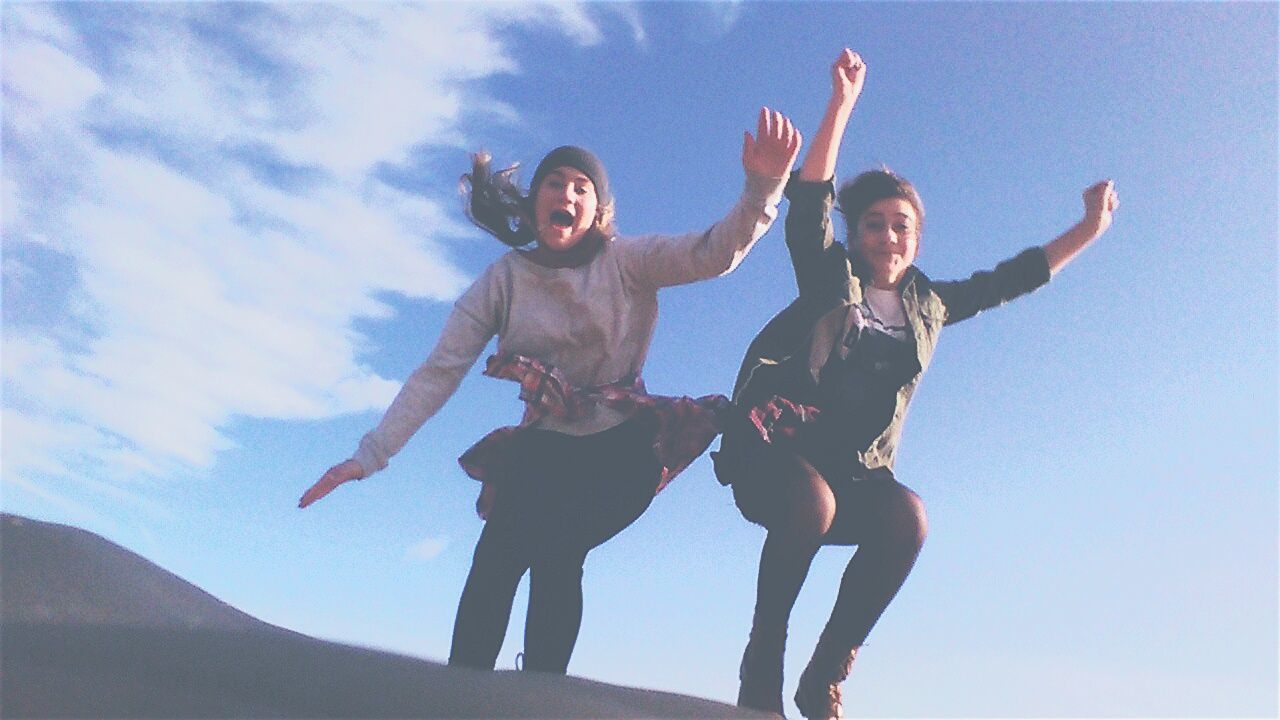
pixel 89 629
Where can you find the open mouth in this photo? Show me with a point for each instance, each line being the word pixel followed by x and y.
pixel 561 218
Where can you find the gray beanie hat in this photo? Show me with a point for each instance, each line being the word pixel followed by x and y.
pixel 578 159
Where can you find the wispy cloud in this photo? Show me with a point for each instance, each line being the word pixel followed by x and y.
pixel 426 549
pixel 630 14
pixel 713 20
pixel 192 213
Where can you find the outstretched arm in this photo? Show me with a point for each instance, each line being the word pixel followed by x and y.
pixel 476 317
pixel 656 261
pixel 847 75
pixel 1033 267
pixel 1100 201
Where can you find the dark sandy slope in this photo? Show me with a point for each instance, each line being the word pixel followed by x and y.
pixel 89 629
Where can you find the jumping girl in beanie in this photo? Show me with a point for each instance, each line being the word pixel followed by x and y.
pixel 824 390
pixel 574 314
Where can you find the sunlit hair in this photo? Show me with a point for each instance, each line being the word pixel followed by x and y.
pixel 864 191
pixel 496 204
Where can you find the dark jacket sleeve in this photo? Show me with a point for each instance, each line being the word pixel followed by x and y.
pixel 1016 276
pixel 820 263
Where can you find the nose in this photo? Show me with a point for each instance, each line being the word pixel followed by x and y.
pixel 883 237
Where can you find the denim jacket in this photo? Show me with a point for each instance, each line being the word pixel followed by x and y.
pixel 787 355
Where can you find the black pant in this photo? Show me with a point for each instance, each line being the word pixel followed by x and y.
pixel 784 492
pixel 561 496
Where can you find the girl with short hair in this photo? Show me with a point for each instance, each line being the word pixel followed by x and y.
pixel 824 390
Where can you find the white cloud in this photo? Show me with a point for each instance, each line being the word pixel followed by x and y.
pixel 712 20
pixel 208 287
pixel 629 12
pixel 426 549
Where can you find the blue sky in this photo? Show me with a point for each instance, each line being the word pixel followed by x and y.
pixel 231 230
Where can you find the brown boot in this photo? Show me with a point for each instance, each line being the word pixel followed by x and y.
pixel 760 674
pixel 818 693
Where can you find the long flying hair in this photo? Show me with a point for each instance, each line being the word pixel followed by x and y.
pixel 495 203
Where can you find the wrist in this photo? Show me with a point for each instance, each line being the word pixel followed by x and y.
pixel 1091 227
pixel 842 103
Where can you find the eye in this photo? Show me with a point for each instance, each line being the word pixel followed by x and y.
pixel 873 225
pixel 902 228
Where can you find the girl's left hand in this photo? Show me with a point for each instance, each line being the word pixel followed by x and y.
pixel 343 472
pixel 773 150
pixel 1100 201
pixel 847 75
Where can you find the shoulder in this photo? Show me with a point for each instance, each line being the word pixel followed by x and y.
pixel 929 295
pixel 496 279
pixel 798 190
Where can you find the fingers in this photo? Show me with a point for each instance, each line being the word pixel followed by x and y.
pixel 323 487
pixel 849 67
pixel 333 477
pixel 774 126
pixel 773 150
pixel 1103 193
pixel 773 130
pixel 849 61
pixel 314 493
pixel 791 138
pixel 771 127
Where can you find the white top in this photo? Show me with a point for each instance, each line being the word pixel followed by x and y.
pixel 884 312
pixel 593 322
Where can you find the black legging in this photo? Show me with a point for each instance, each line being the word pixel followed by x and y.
pixel 802 512
pixel 561 497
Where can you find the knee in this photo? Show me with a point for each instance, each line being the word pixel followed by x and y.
pixel 803 514
pixel 559 571
pixel 789 498
pixel 905 523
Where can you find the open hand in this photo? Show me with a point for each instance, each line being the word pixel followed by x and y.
pixel 847 75
pixel 1100 201
pixel 344 471
pixel 774 148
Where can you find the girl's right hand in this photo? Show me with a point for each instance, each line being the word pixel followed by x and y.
pixel 344 471
pixel 847 75
pixel 773 150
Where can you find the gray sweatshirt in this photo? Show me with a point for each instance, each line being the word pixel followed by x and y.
pixel 593 322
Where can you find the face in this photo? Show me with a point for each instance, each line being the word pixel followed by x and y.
pixel 564 208
pixel 889 237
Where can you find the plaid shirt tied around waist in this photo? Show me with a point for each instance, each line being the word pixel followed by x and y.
pixel 685 426
pixel 779 418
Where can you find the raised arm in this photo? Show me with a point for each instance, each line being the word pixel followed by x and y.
pixel 847 75
pixel 1100 201
pixel 821 267
pixel 662 260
